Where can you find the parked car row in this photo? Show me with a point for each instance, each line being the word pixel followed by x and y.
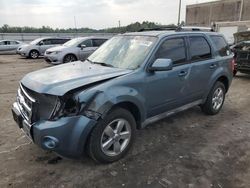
pixel 132 80
pixel 60 50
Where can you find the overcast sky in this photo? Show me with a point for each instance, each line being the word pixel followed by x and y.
pixel 89 13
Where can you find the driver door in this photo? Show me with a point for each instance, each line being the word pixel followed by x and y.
pixel 87 50
pixel 166 90
pixel 44 45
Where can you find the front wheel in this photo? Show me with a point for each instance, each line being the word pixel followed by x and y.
pixel 69 58
pixel 112 137
pixel 215 99
pixel 34 54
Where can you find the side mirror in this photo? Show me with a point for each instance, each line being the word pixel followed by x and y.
pixel 161 65
pixel 41 43
pixel 83 46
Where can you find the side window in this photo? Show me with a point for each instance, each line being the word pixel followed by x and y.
pixel 55 41
pixel 199 48
pixel 98 42
pixel 88 43
pixel 62 41
pixel 6 43
pixel 47 41
pixel 13 42
pixel 59 41
pixel 2 43
pixel 221 45
pixel 173 49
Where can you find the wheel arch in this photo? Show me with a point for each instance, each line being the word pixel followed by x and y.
pixel 132 108
pixel 223 79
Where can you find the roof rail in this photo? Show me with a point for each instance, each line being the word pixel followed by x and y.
pixel 193 28
pixel 172 28
pixel 178 29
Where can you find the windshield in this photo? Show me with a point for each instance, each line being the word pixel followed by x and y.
pixel 35 41
pixel 73 42
pixel 125 52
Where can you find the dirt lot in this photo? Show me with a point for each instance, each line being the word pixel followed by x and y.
pixel 189 149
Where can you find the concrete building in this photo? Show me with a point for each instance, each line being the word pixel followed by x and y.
pixel 227 16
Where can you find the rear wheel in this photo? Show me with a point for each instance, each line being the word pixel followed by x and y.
pixel 215 99
pixel 34 54
pixel 69 58
pixel 112 137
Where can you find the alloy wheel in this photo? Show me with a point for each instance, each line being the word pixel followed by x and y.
pixel 218 98
pixel 115 137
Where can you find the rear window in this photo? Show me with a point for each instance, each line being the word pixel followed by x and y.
pixel 221 45
pixel 199 48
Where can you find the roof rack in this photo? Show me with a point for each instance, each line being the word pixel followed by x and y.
pixel 193 28
pixel 173 28
pixel 178 29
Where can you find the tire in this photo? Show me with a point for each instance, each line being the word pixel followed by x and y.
pixel 34 54
pixel 69 58
pixel 106 145
pixel 215 99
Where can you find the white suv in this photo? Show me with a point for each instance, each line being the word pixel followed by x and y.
pixel 75 49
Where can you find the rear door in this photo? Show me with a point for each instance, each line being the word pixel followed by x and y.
pixel 203 65
pixel 13 45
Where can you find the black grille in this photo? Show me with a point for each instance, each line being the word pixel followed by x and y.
pixel 43 106
pixel 25 102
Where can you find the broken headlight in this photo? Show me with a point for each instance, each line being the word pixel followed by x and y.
pixel 73 107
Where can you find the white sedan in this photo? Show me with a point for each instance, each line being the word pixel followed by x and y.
pixel 9 45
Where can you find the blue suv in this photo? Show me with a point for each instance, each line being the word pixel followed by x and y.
pixel 132 80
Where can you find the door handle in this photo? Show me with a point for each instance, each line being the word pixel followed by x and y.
pixel 212 66
pixel 182 73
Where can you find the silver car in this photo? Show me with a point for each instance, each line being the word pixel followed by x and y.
pixel 9 45
pixel 75 49
pixel 37 47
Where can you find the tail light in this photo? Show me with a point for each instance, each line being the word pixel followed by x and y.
pixel 233 65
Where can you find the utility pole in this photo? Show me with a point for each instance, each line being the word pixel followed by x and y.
pixel 241 10
pixel 75 24
pixel 119 23
pixel 179 14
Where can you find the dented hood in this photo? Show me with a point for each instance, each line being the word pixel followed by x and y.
pixel 60 79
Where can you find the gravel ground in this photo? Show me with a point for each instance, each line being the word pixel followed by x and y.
pixel 188 149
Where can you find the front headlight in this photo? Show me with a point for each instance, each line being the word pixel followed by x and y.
pixel 56 52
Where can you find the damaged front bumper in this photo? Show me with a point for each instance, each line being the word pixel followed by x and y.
pixel 66 136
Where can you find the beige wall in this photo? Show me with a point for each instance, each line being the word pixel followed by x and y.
pixel 220 11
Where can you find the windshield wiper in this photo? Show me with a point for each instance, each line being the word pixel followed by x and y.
pixel 100 63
